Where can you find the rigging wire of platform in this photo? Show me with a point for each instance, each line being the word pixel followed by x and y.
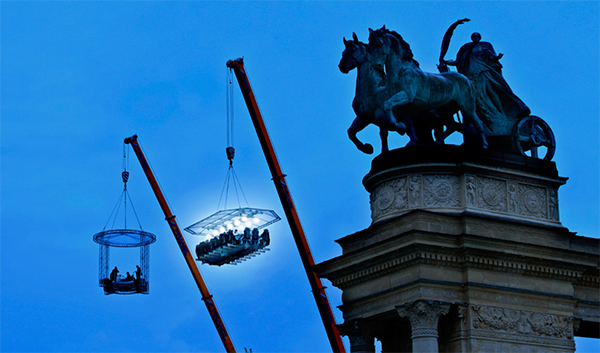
pixel 225 190
pixel 124 196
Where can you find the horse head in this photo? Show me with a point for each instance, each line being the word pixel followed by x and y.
pixel 353 55
pixel 390 48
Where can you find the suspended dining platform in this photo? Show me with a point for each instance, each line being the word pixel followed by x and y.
pixel 233 235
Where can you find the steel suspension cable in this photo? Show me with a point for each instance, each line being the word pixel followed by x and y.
pixel 231 174
pixel 230 114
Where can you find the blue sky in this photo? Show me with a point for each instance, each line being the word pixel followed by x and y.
pixel 79 77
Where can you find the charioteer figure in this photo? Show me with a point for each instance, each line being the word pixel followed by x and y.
pixel 497 106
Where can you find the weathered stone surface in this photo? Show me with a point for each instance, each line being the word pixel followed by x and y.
pixel 514 278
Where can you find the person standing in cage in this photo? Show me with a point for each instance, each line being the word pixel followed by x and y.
pixel 113 274
pixel 136 279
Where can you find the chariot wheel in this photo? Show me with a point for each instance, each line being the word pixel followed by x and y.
pixel 531 133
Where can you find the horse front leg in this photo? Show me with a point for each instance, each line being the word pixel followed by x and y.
pixel 388 119
pixel 358 125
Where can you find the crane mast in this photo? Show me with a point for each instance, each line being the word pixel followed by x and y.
pixel 170 218
pixel 317 288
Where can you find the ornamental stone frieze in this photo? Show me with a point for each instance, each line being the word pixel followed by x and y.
pixel 460 259
pixel 475 184
pixel 451 193
pixel 441 191
pixel 521 325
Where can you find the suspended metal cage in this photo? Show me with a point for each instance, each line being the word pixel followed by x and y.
pixel 233 235
pixel 138 280
pixel 113 282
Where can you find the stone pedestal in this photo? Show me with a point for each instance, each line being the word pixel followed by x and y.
pixel 466 253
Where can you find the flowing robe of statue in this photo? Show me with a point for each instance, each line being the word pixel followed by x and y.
pixel 497 106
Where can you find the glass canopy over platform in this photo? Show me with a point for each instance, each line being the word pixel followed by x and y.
pixel 233 219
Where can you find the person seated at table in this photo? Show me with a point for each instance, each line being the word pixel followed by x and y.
pixel 200 250
pixel 247 235
pixel 265 237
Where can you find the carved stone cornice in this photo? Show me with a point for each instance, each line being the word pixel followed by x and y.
pixel 534 301
pixel 395 261
pixel 541 268
pixel 416 255
pixel 590 278
pixel 386 301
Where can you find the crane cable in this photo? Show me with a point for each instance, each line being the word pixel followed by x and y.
pixel 230 150
pixel 229 118
pixel 125 177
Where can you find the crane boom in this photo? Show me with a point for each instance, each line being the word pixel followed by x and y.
pixel 288 205
pixel 170 218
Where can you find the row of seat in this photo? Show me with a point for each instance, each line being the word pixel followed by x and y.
pixel 233 238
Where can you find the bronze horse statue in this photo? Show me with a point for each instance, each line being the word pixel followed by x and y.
pixel 371 93
pixel 409 87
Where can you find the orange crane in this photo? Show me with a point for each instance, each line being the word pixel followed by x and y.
pixel 317 287
pixel 170 218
